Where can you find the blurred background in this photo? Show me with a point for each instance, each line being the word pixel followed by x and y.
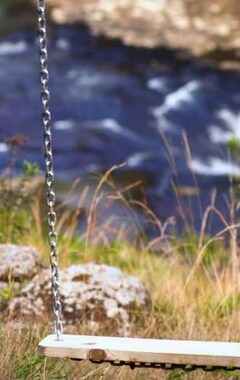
pixel 146 89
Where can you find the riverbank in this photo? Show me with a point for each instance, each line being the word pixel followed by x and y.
pixel 198 28
pixel 194 28
pixel 194 286
pixel 193 283
pixel 163 123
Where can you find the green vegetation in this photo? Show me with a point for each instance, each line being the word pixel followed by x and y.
pixel 205 307
pixel 234 145
pixel 193 281
pixel 15 197
pixel 15 218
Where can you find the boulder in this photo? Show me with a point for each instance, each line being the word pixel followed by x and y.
pixel 94 293
pixel 199 26
pixel 19 263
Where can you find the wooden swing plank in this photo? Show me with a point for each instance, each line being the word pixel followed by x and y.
pixel 134 350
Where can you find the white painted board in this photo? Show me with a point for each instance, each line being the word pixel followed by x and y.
pixel 142 350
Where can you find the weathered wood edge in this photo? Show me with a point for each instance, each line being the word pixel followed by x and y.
pixel 230 361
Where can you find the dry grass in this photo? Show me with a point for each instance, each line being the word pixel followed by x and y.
pixel 207 308
pixel 193 282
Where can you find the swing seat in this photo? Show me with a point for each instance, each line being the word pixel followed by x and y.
pixel 149 352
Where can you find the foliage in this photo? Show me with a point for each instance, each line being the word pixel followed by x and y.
pixel 15 219
pixel 234 145
pixel 193 282
pixel 207 308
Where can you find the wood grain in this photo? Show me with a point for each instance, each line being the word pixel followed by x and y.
pixel 142 350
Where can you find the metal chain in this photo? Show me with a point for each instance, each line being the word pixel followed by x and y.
pixel 167 366
pixel 51 198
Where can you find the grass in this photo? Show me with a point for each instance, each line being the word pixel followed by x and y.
pixel 193 282
pixel 207 308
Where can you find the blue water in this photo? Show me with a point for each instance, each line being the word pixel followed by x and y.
pixel 168 119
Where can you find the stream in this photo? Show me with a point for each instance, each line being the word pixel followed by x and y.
pixel 166 118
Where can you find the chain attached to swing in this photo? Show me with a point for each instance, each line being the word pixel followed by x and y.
pixel 51 197
pixel 52 236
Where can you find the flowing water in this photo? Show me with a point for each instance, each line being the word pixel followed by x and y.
pixel 167 118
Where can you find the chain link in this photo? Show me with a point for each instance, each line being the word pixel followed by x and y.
pixel 51 198
pixel 166 366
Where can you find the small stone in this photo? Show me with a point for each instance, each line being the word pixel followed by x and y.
pixel 18 263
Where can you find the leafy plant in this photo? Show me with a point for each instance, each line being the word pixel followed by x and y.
pixel 6 294
pixel 234 145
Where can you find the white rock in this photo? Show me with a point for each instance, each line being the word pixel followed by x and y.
pixel 98 293
pixel 19 263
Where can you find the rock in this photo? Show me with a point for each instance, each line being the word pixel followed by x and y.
pixel 197 26
pixel 7 290
pixel 193 25
pixel 5 286
pixel 18 263
pixel 91 292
